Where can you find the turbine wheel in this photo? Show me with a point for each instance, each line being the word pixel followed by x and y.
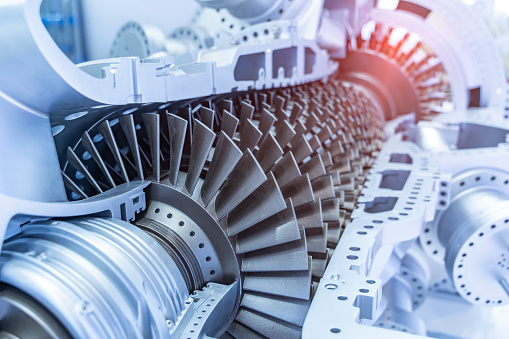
pixel 277 171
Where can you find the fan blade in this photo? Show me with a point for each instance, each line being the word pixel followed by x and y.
pixel 293 284
pixel 310 215
pixel 317 239
pixel 313 167
pixel 268 326
pixel 207 117
pixel 246 113
pixel 229 124
pixel 284 133
pixel 323 187
pixel 330 210
pixel 301 149
pixel 296 112
pixel 285 257
pixel 240 331
pixel 267 120
pixel 269 153
pixel 226 155
pixel 88 144
pixel 129 128
pixel 72 185
pixel 73 159
pixel 107 133
pixel 203 138
pixel 244 179
pixel 299 190
pixel 290 310
pixel 152 124
pixel 249 136
pixel 286 169
pixel 177 131
pixel 275 230
pixel 264 202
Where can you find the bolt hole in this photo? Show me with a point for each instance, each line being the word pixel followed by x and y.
pixel 335 330
pixel 342 298
pixel 157 210
pixel 364 290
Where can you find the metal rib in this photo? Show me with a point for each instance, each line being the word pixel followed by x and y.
pixel 73 159
pixel 177 131
pixel 229 124
pixel 207 116
pixel 275 230
pixel 152 124
pixel 269 153
pixel 264 202
pixel 226 155
pixel 293 284
pixel 129 128
pixel 299 190
pixel 313 167
pixel 107 133
pixel 289 256
pixel 286 169
pixel 88 144
pixel 249 136
pixel 290 310
pixel 244 179
pixel 203 138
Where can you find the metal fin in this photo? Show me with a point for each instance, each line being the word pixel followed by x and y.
pixel 240 331
pixel 107 133
pixel 290 310
pixel 286 169
pixel 78 165
pixel 267 326
pixel 88 144
pixel 296 112
pixel 129 128
pixel 72 186
pixel 246 113
pixel 275 230
pixel 310 215
pixel 177 131
pixel 289 256
pixel 152 124
pixel 323 187
pixel 249 136
pixel 313 167
pixel 330 210
pixel 203 138
pixel 301 150
pixel 264 202
pixel 207 116
pixel 269 153
pixel 226 155
pixel 284 133
pixel 299 190
pixel 229 124
pixel 293 284
pixel 243 180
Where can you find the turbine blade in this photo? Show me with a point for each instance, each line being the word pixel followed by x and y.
pixel 73 159
pixel 203 138
pixel 229 124
pixel 286 169
pixel 152 124
pixel 244 179
pixel 226 155
pixel 249 136
pixel 129 128
pixel 107 133
pixel 88 144
pixel 177 128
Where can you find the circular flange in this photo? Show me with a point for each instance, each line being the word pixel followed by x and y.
pixel 480 266
pixel 463 183
pixel 135 40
